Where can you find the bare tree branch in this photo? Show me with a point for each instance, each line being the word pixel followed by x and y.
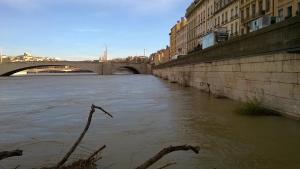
pixel 105 112
pixel 96 153
pixel 166 151
pixel 167 165
pixel 7 154
pixel 18 166
pixel 73 148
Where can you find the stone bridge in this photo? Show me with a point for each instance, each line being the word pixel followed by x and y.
pixel 101 68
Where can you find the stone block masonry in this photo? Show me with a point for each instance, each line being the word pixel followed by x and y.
pixel 272 78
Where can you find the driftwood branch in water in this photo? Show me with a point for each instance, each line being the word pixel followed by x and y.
pixel 104 111
pixel 7 154
pixel 73 148
pixel 167 165
pixel 96 153
pixel 166 151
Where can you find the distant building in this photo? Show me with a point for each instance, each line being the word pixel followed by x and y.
pixel 26 57
pixel 104 58
pixel 181 37
pixel 173 40
pixel 132 59
pixel 4 59
pixel 178 38
pixel 161 56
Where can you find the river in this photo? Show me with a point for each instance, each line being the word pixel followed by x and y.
pixel 43 115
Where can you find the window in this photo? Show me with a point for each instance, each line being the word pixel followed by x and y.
pixel 253 10
pixel 236 11
pixel 208 11
pixel 280 14
pixel 267 5
pixel 247 12
pixel 236 27
pixel 260 7
pixel 231 30
pixel 242 14
pixel 222 18
pixel 226 16
pixel 232 14
pixel 289 12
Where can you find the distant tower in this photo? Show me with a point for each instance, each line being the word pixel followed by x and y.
pixel 105 54
pixel 104 57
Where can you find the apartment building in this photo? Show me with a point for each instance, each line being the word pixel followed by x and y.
pixel 173 40
pixel 181 37
pixel 161 56
pixel 226 15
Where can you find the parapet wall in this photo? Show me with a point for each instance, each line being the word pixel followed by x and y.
pixel 274 79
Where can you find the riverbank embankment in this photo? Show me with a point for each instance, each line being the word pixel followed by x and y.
pixel 264 65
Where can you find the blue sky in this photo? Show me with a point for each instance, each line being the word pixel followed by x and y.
pixel 79 29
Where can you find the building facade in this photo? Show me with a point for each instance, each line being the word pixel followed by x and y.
pixel 181 37
pixel 226 15
pixel 268 11
pixel 200 20
pixel 252 9
pixel 173 40
pixel 161 56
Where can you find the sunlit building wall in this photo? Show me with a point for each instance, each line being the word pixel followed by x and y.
pixel 181 37
pixel 199 21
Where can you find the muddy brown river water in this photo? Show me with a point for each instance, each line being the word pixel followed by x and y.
pixel 43 115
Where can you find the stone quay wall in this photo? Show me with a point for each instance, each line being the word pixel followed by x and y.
pixel 264 64
pixel 273 79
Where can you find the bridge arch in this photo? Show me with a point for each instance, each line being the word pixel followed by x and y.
pixel 38 66
pixel 131 69
pixel 12 68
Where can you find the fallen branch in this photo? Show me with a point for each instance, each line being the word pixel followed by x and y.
pixel 105 112
pixel 96 153
pixel 73 148
pixel 167 165
pixel 7 154
pixel 166 151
